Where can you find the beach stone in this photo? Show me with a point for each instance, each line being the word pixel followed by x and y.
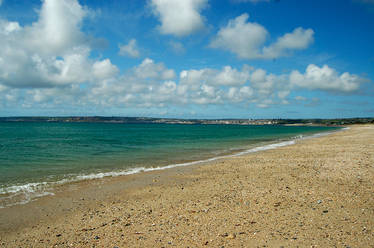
pixel 231 236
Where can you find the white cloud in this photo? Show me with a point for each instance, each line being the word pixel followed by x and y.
pixel 104 69
pixel 325 78
pixel 241 37
pixel 263 82
pixel 247 39
pixel 130 49
pixel 193 77
pixel 236 94
pixel 229 76
pixel 299 39
pixel 234 86
pixel 208 90
pixel 152 84
pixel 72 68
pixel 58 27
pixel 9 27
pixel 1 2
pixel 179 18
pixel 168 88
pixel 50 52
pixel 149 69
pixel 57 69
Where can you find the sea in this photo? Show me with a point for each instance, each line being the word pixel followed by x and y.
pixel 35 157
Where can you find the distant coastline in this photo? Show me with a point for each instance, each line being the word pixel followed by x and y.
pixel 134 120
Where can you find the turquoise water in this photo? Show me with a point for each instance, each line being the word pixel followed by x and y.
pixel 35 156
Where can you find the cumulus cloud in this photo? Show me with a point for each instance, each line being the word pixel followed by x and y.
pixel 262 81
pixel 259 86
pixel 227 76
pixel 248 85
pixel 149 69
pixel 104 69
pixel 325 78
pixel 241 37
pixel 247 39
pixel 231 77
pixel 129 49
pixel 51 52
pixel 152 84
pixel 8 27
pixel 299 39
pixel 240 94
pixel 179 18
pixel 58 70
pixel 58 27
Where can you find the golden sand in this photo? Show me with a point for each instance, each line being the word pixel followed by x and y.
pixel 316 193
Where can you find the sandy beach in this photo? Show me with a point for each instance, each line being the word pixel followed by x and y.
pixel 316 193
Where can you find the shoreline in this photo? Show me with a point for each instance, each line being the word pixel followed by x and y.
pixel 225 202
pixel 47 188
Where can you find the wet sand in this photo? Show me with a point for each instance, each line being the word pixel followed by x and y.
pixel 316 193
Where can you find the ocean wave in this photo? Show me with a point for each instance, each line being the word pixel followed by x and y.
pixel 31 191
pixel 22 194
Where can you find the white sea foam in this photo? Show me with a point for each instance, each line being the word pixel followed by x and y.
pixel 31 191
pixel 30 187
pixel 22 194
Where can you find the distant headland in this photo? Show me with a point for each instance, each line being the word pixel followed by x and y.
pixel 146 120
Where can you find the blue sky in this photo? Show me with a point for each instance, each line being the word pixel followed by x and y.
pixel 187 58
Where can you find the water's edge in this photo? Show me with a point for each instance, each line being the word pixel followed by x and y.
pixel 32 191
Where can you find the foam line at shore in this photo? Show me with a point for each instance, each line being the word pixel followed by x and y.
pixel 143 169
pixel 36 190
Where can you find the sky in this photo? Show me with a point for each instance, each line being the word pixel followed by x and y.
pixel 187 58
